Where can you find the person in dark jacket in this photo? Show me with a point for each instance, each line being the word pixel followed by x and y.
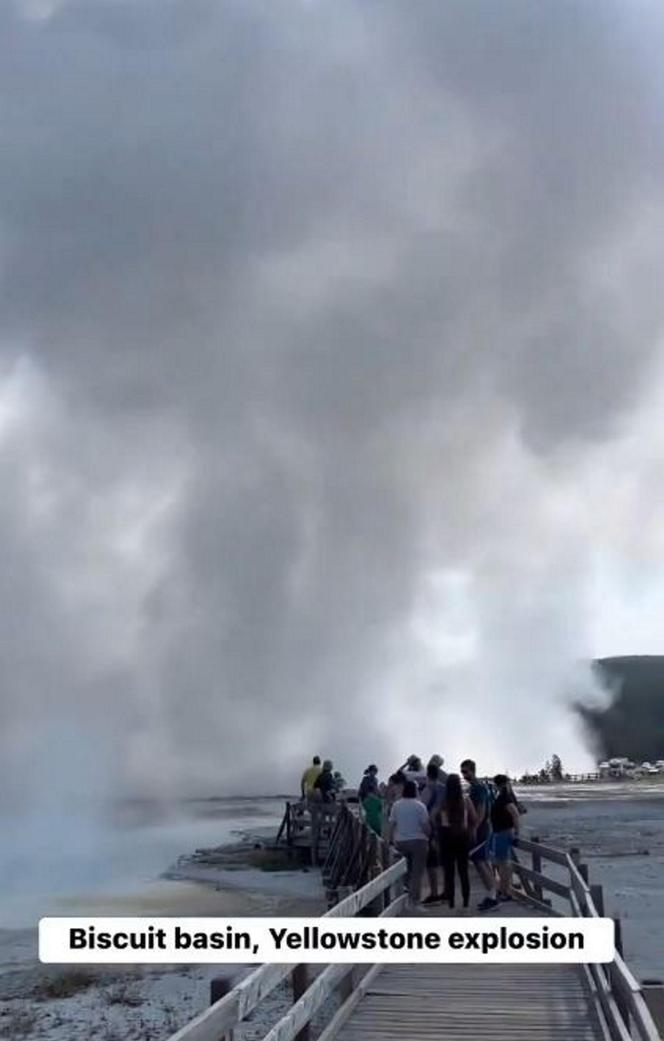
pixel 370 799
pixel 369 782
pixel 458 824
pixel 433 797
pixel 325 782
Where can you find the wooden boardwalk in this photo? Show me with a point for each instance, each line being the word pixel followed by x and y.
pixel 471 1003
pixel 450 1002
pixel 464 1002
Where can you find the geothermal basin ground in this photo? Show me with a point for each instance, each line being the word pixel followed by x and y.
pixel 149 867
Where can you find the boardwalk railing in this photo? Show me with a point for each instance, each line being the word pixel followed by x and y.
pixel 356 854
pixel 218 1021
pixel 308 826
pixel 615 997
pixel 564 779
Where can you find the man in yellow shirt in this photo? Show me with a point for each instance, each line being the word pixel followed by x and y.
pixel 309 777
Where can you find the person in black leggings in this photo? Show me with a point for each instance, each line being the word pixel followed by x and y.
pixel 458 820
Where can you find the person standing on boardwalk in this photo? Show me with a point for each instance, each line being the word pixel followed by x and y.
pixel 414 771
pixel 437 761
pixel 394 788
pixel 479 853
pixel 458 826
pixel 325 783
pixel 410 830
pixel 370 799
pixel 433 797
pixel 369 782
pixel 339 782
pixel 505 822
pixel 309 777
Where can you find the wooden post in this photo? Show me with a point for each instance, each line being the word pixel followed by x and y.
pixel 355 854
pixel 622 1006
pixel 597 897
pixel 575 856
pixel 375 863
pixel 219 988
pixel 282 826
pixel 386 860
pixel 300 981
pixel 400 886
pixel 316 812
pixel 346 986
pixel 653 993
pixel 537 866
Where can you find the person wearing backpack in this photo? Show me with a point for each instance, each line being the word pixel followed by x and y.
pixel 433 797
pixel 481 796
pixel 458 824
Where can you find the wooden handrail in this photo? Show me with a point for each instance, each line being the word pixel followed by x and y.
pixel 618 999
pixel 620 994
pixel 623 983
pixel 557 856
pixel 223 1016
pixel 218 1019
pixel 543 880
pixel 349 907
pixel 319 991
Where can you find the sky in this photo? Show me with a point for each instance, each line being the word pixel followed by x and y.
pixel 331 383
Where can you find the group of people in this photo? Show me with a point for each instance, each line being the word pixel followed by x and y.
pixel 441 823
pixel 438 822
pixel 321 781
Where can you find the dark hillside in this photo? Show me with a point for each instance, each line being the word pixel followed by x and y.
pixel 634 724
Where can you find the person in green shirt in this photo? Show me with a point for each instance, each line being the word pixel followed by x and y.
pixel 373 812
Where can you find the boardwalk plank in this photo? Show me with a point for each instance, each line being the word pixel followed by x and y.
pixel 459 1002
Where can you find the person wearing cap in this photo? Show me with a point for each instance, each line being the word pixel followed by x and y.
pixel 414 771
pixel 437 761
pixel 325 783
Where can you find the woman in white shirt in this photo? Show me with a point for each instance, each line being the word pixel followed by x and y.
pixel 410 829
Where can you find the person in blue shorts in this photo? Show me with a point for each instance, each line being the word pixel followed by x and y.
pixel 480 846
pixel 505 823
